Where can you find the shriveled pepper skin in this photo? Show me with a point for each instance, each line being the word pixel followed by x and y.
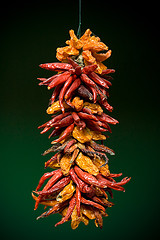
pixel 56 66
pixel 80 187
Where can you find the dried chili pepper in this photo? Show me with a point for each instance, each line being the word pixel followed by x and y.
pixel 98 80
pixel 56 66
pixel 85 93
pixel 88 202
pixel 59 80
pixel 62 183
pixel 107 71
pixel 87 80
pixel 78 200
pixel 64 122
pixel 94 92
pixel 69 144
pixel 69 211
pixel 72 88
pixel 63 91
pixel 80 95
pixel 102 148
pixel 55 93
pixel 66 133
pixel 46 176
pixel 89 69
pixel 83 187
pixel 87 116
pixel 106 118
pixel 75 117
pixel 88 178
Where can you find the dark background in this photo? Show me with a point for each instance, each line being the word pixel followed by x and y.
pixel 30 34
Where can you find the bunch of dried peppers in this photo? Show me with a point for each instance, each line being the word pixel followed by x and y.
pixel 78 189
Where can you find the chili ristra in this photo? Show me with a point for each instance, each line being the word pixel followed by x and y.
pixel 80 183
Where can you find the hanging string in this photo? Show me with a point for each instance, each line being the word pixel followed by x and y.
pixel 80 22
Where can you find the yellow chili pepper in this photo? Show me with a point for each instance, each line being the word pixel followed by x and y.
pixel 86 164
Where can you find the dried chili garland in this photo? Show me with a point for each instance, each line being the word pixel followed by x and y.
pixel 78 189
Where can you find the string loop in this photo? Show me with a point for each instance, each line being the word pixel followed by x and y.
pixel 80 20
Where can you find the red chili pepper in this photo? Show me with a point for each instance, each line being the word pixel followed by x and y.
pixel 45 124
pixel 78 201
pixel 49 184
pixel 88 178
pixel 45 130
pixel 51 160
pixel 87 80
pixel 64 122
pixel 94 126
pixel 88 202
pixel 56 66
pixel 109 183
pixel 62 183
pixel 75 117
pixel 78 70
pixel 87 116
pixel 105 125
pixel 83 187
pixel 59 80
pixel 55 93
pixel 115 174
pixel 106 105
pixel 107 82
pixel 44 177
pixel 90 68
pixel 72 204
pixel 66 133
pixel 106 118
pixel 107 71
pixel 57 131
pixel 123 181
pixel 72 88
pixel 53 180
pixel 56 208
pixel 63 91
pixel 98 79
pixel 57 118
pixel 86 110
pixel 94 92
pixel 69 144
pixel 73 63
pixel 111 179
pixel 48 80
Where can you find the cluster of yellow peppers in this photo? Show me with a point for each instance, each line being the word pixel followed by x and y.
pixel 89 45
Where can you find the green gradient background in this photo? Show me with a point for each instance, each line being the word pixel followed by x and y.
pixel 30 35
